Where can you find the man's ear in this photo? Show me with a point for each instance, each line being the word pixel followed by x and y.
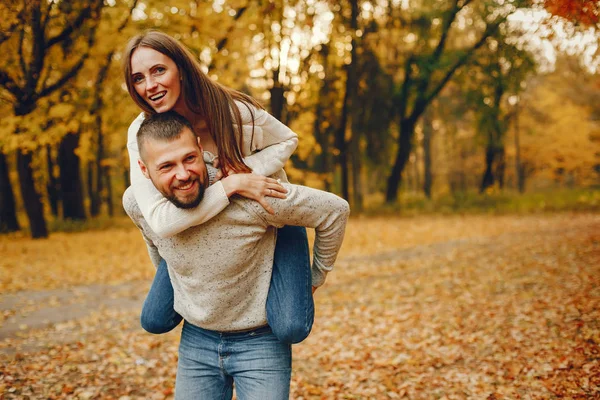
pixel 144 169
pixel 199 142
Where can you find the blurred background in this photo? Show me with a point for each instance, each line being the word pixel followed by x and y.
pixel 401 106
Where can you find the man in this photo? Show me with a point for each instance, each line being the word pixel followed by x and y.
pixel 221 270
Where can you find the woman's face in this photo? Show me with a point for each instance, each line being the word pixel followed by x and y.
pixel 155 78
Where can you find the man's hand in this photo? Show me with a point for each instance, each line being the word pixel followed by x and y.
pixel 254 187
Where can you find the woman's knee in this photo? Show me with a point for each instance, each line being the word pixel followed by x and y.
pixel 292 332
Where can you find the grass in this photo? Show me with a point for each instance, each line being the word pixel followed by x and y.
pixel 493 202
pixel 409 205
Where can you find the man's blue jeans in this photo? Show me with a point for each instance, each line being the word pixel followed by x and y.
pixel 210 362
pixel 290 307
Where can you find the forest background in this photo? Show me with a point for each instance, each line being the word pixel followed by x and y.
pixel 464 133
pixel 399 105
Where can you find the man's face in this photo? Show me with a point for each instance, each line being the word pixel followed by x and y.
pixel 176 168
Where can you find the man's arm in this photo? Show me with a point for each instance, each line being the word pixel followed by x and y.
pixel 133 211
pixel 312 208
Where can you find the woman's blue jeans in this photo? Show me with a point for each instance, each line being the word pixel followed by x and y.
pixel 290 307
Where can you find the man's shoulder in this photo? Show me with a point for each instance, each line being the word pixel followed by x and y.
pixel 130 205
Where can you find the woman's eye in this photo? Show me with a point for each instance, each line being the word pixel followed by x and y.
pixel 137 79
pixel 159 70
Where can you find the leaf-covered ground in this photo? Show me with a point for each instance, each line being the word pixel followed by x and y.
pixel 477 307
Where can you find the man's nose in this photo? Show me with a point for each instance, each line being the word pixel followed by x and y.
pixel 182 174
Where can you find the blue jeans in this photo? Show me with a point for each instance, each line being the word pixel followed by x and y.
pixel 211 362
pixel 290 307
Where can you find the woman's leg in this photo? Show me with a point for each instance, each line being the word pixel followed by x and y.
pixel 290 307
pixel 158 315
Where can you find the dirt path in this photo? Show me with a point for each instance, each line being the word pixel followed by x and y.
pixel 28 311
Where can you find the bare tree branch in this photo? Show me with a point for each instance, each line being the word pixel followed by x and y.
pixel 223 42
pixel 9 84
pixel 6 33
pixel 21 56
pixel 65 78
pixel 461 61
pixel 46 18
pixel 74 25
pixel 128 18
pixel 75 69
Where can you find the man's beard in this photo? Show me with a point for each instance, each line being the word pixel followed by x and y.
pixel 190 204
pixel 195 201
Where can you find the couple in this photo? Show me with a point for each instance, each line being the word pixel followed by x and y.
pixel 242 287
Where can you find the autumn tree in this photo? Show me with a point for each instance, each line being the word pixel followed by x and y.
pixel 46 47
pixel 430 64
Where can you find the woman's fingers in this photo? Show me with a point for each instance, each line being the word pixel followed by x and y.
pixel 255 187
pixel 275 189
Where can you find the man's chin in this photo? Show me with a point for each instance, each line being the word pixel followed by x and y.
pixel 186 204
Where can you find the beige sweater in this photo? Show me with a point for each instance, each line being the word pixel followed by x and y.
pixel 221 270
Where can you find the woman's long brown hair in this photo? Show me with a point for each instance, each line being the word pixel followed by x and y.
pixel 210 100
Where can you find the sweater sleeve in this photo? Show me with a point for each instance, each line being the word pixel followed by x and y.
pixel 269 145
pixel 163 217
pixel 133 212
pixel 312 208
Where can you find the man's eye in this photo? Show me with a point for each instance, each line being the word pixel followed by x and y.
pixel 164 167
pixel 191 158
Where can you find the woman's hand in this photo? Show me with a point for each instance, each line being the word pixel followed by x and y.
pixel 220 173
pixel 255 187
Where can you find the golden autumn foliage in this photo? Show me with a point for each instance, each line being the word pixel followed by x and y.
pixel 559 134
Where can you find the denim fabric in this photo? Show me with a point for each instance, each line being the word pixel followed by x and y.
pixel 158 315
pixel 211 362
pixel 290 307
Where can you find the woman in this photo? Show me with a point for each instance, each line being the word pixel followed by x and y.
pixel 240 137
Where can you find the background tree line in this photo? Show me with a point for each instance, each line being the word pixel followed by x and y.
pixel 387 96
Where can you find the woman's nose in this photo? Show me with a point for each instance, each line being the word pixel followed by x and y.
pixel 151 83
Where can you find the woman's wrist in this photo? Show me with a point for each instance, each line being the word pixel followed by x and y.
pixel 231 184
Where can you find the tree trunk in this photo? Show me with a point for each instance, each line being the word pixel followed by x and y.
pixel 352 83
pixel 96 171
pixel 70 178
pixel 488 176
pixel 357 189
pixel 427 134
pixel 109 193
pixel 519 170
pixel 407 128
pixel 500 166
pixel 91 190
pixel 277 100
pixel 341 145
pixel 8 212
pixel 31 198
pixel 53 185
